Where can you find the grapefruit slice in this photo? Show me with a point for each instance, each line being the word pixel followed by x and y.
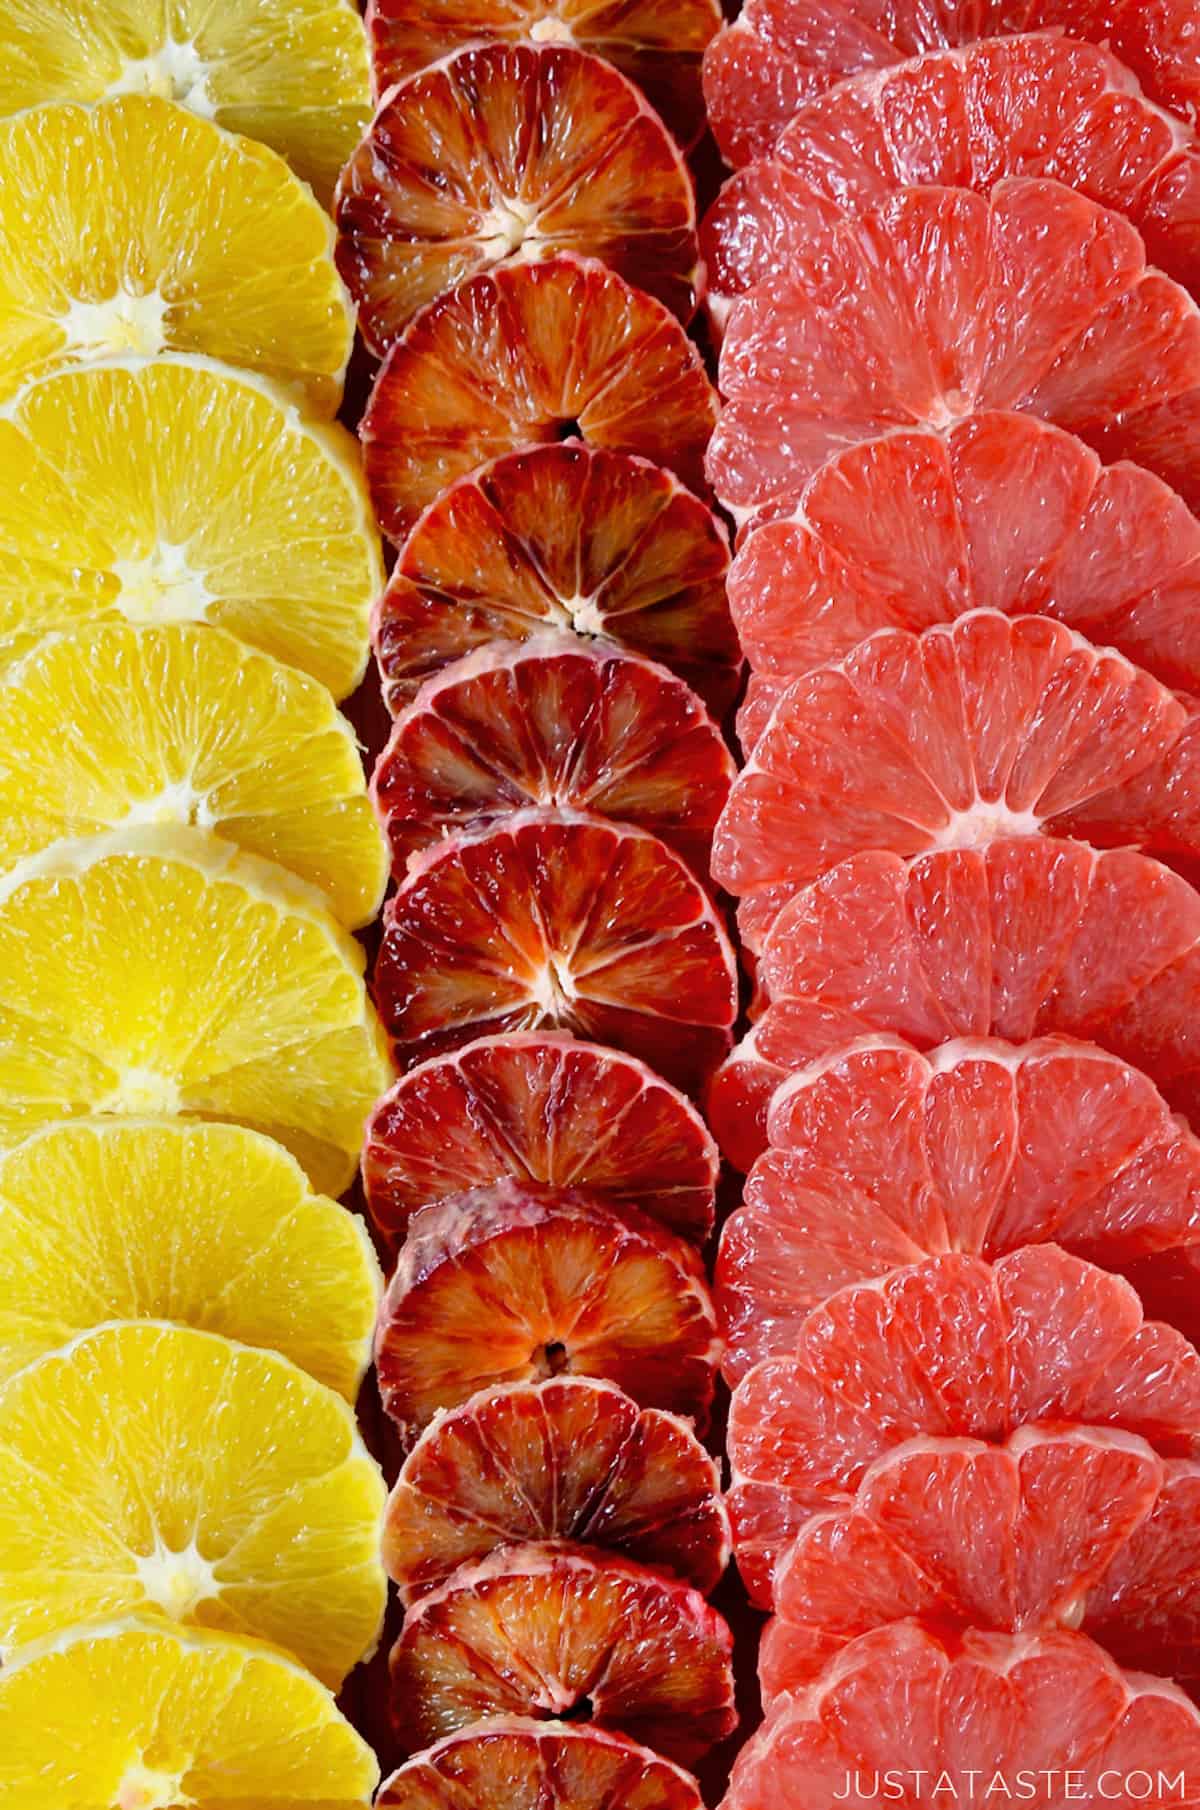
pixel 737 1098
pixel 570 1459
pixel 556 920
pixel 759 71
pixel 658 48
pixel 950 1348
pixel 562 537
pixel 919 528
pixel 525 354
pixel 529 1765
pixel 1024 106
pixel 544 1109
pixel 1038 1709
pixel 552 722
pixel 983 727
pixel 534 1631
pixel 880 1157
pixel 509 153
pixel 512 1284
pixel 1045 304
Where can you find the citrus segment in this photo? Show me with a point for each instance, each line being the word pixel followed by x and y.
pixel 80 286
pixel 173 1715
pixel 164 972
pixel 510 153
pixel 538 1766
pixel 987 726
pixel 658 48
pixel 149 1469
pixel 294 76
pixel 760 70
pixel 209 1226
pixel 567 537
pixel 541 1108
pixel 526 354
pixel 738 1096
pixel 532 1631
pixel 559 921
pixel 179 724
pixel 552 722
pixel 571 1458
pixel 1043 303
pixel 512 1284
pixel 949 1348
pixel 181 492
pixel 967 1712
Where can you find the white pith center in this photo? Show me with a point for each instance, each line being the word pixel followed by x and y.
pixel 161 587
pixel 143 1788
pixel 177 803
pixel 553 988
pixel 507 231
pixel 177 1581
pixel 123 325
pixel 586 618
pixel 550 30
pixel 144 1090
pixel 175 72
pixel 987 820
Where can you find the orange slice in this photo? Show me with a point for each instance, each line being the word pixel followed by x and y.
pixel 538 1766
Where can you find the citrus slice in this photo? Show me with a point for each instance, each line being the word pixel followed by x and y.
pixel 148 1469
pixel 559 921
pixel 917 529
pixel 532 1631
pixel 760 70
pixel 659 49
pixel 190 274
pixel 164 972
pixel 180 724
pixel 879 1157
pixel 526 354
pixel 1043 303
pixel 1039 1709
pixel 571 1458
pixel 557 722
pixel 538 1766
pixel 511 152
pixel 950 1348
pixel 209 1226
pixel 173 1716
pixel 738 1096
pixel 541 1108
pixel 178 491
pixel 294 76
pixel 510 1284
pixel 569 537
pixel 1024 106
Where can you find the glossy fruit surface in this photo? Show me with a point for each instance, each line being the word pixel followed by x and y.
pixel 514 1763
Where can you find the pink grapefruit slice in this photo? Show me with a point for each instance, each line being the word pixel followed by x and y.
pixel 760 70
pixel 521 1764
pixel 879 1157
pixel 570 1459
pixel 511 152
pixel 950 1348
pixel 554 920
pixel 1042 302
pixel 538 1631
pixel 524 355
pixel 511 1284
pixel 542 1108
pixel 568 537
pixel 554 722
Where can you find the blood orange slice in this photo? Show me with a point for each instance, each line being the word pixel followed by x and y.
pixel 557 722
pixel 511 1283
pixel 759 71
pixel 986 726
pixel 544 1109
pixel 568 1459
pixel 556 920
pixel 880 1157
pixel 1024 106
pixel 526 354
pixel 1042 302
pixel 950 1348
pixel 511 152
pixel 569 537
pixel 1034 1710
pixel 520 1764
pixel 534 1631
